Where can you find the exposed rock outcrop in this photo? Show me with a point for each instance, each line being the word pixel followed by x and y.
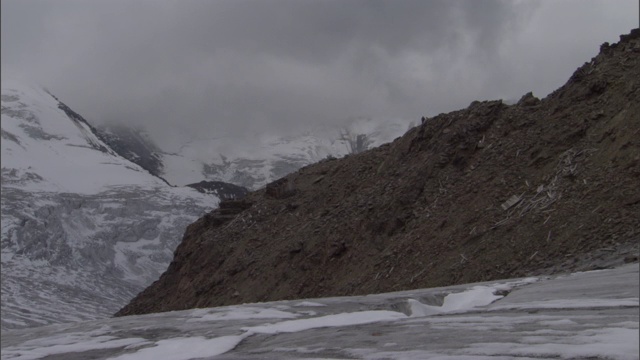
pixel 220 189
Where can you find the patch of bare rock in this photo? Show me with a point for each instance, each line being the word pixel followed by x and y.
pixel 487 192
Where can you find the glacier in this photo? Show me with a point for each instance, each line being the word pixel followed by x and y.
pixel 83 229
pixel 587 315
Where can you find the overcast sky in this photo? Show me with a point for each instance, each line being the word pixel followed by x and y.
pixel 218 65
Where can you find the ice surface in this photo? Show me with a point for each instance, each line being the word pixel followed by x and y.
pixel 309 304
pixel 476 296
pixel 372 327
pixel 344 319
pixel 184 348
pixel 570 304
pixel 610 343
pixel 42 349
pixel 242 313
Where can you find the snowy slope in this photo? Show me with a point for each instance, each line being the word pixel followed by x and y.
pixel 590 315
pixel 45 150
pixel 253 160
pixel 83 229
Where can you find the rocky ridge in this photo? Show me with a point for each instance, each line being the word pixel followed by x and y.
pixel 487 192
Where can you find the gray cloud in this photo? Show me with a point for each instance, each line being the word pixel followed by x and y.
pixel 233 65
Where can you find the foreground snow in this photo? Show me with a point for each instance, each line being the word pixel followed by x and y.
pixel 583 315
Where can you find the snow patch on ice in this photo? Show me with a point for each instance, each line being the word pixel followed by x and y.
pixel 185 348
pixel 374 354
pixel 568 304
pixel 243 313
pixel 344 319
pixel 474 297
pixel 308 304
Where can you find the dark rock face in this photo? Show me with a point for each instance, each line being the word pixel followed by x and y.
pixel 487 192
pixel 133 146
pixel 78 119
pixel 528 100
pixel 280 189
pixel 221 189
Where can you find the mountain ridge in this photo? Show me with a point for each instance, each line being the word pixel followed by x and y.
pixel 482 193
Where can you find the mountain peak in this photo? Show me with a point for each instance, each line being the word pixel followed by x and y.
pixel 52 148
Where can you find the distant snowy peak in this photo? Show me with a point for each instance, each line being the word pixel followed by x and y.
pixel 49 147
pixel 254 160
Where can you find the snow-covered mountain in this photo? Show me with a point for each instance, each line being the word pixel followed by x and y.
pixel 83 229
pixel 253 160
pixel 250 160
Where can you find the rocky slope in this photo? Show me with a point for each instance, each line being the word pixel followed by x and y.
pixel 490 191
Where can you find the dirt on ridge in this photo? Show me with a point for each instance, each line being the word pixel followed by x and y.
pixel 488 192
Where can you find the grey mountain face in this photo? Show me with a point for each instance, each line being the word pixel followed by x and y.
pixel 133 145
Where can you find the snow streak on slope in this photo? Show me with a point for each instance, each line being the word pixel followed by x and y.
pixel 473 321
pixel 257 159
pixel 83 229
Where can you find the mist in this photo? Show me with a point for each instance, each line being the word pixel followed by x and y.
pixel 235 66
